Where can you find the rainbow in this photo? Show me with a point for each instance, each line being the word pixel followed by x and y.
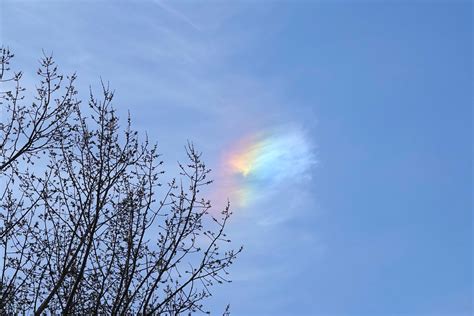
pixel 260 162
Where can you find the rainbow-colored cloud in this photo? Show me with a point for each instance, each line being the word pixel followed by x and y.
pixel 260 162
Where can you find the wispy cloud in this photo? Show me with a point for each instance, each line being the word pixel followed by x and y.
pixel 179 73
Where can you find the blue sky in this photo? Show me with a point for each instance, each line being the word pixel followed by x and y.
pixel 381 92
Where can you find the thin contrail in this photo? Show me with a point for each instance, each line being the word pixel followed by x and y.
pixel 177 14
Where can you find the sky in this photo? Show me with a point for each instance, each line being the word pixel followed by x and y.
pixel 341 131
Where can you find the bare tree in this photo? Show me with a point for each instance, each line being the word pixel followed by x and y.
pixel 89 230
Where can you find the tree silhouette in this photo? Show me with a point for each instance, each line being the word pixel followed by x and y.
pixel 86 227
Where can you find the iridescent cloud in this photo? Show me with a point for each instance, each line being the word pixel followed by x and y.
pixel 257 164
